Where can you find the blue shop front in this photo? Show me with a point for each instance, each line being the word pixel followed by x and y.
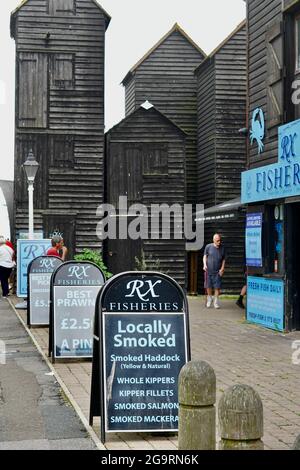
pixel 272 195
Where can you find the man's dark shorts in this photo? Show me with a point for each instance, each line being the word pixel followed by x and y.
pixel 213 281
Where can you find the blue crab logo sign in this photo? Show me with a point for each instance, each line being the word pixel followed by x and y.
pixel 258 129
pixel 278 180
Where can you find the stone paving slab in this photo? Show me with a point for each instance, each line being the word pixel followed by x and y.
pixel 37 444
pixel 44 444
pixel 239 353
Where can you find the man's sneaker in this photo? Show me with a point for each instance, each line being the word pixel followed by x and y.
pixel 209 302
pixel 216 304
pixel 240 304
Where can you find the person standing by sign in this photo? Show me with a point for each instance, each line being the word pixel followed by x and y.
pixel 9 243
pixel 63 251
pixel 11 280
pixel 239 302
pixel 243 293
pixel 6 265
pixel 58 249
pixel 214 267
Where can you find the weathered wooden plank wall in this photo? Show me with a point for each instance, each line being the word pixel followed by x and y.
pixel 262 16
pixel 70 120
pixel 166 79
pixel 206 119
pixel 221 93
pixel 233 238
pixel 231 80
pixel 130 96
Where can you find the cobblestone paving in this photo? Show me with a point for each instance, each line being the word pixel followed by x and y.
pixel 238 352
pixel 243 353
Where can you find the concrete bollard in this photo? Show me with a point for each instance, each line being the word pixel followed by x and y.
pixel 197 413
pixel 241 419
pixel 296 445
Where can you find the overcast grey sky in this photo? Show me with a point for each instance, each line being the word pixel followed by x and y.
pixel 135 27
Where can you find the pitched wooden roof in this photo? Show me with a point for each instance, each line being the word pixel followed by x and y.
pixel 23 2
pixel 175 28
pixel 150 110
pixel 219 47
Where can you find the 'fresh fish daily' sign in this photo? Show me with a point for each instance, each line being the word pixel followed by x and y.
pixel 74 289
pixel 141 343
pixel 39 276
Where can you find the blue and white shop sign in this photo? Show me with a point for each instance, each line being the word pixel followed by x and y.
pixel 265 302
pixel 281 179
pixel 289 142
pixel 254 240
pixel 27 250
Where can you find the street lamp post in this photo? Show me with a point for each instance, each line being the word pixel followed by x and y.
pixel 30 167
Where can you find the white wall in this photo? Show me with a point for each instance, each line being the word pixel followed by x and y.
pixel 4 219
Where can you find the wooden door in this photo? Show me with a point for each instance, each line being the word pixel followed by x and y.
pixel 133 158
pixel 124 178
pixel 124 173
pixel 122 255
pixel 32 90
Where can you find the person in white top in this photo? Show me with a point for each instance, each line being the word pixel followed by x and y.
pixel 6 265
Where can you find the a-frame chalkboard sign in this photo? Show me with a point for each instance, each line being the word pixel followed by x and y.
pixel 39 275
pixel 141 342
pixel 74 289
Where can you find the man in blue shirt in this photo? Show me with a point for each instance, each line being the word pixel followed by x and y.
pixel 214 267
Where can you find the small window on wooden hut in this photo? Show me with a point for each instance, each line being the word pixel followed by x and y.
pixel 275 82
pixel 62 150
pixel 63 71
pixel 155 160
pixel 61 7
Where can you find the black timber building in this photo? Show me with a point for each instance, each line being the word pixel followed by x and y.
pixel 59 114
pixel 165 77
pixel 145 161
pixel 221 151
pixel 271 186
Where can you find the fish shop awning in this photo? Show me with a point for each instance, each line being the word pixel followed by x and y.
pixel 226 211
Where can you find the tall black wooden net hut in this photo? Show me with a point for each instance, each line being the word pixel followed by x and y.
pixel 59 114
pixel 221 99
pixel 145 161
pixel 165 77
